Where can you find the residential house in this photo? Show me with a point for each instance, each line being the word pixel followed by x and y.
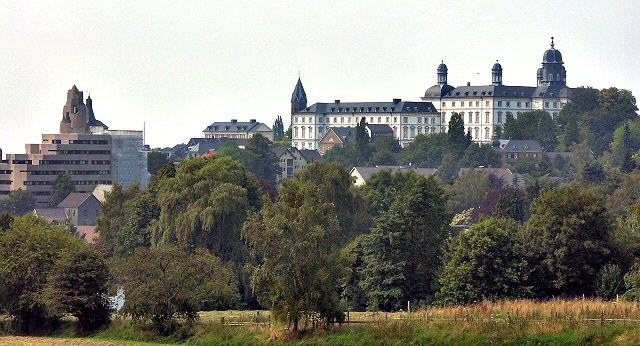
pixel 511 150
pixel 236 129
pixel 342 136
pixel 81 208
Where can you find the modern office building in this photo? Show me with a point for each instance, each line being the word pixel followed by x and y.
pixel 85 149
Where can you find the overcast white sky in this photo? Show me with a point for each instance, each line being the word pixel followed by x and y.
pixel 179 66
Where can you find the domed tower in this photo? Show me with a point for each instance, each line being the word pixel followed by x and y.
pixel 496 74
pixel 442 73
pixel 553 71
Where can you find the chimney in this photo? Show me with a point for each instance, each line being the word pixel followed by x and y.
pixel 233 121
pixel 396 101
pixel 468 83
pixel 337 101
pixel 253 121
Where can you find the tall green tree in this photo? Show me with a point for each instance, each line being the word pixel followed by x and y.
pixel 296 240
pixel 116 211
pixel 61 188
pixel 259 159
pixel 568 241
pixel 457 140
pixel 426 150
pixel 278 129
pixel 362 140
pixel 403 251
pixel 486 263
pixel 468 191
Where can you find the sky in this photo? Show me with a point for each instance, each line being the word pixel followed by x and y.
pixel 174 67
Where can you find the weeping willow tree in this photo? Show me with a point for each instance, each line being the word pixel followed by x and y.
pixel 205 205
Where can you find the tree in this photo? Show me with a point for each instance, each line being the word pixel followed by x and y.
pixel 30 250
pixel 620 102
pixel 205 205
pixel 18 203
pixel 486 263
pixel 155 161
pixel 278 129
pixel 61 188
pixel 78 285
pixel 534 125
pixel 480 155
pixel 346 156
pixel 402 252
pixel 116 211
pixel 165 286
pixel 511 205
pixel 259 159
pixel 426 150
pixel 456 137
pixel 353 297
pixel 468 191
pixel 295 241
pixel 568 240
pixel 384 187
pixel 6 220
pixel 334 183
pixel 609 282
pixel 362 140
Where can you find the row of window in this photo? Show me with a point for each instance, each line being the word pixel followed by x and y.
pixel 372 120
pixel 469 103
pixel 75 162
pixel 83 152
pixel 5 171
pixel 475 132
pixel 5 182
pixel 410 132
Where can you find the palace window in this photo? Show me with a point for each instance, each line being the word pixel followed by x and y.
pixel 499 103
pixel 508 103
pixel 486 117
pixel 499 117
pixel 486 133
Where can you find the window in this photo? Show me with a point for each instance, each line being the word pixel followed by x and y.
pixel 371 120
pixel 310 121
pixel 499 117
pixel 518 104
pixel 433 120
pixel 486 133
pixel 387 120
pixel 303 132
pixel 348 119
pixel 310 132
pixel 303 118
pixel 486 103
pixel 404 132
pixel 406 119
pixel 295 132
pixel 477 103
pixel 461 103
pixel 546 105
pixel 453 104
pixel 419 120
pixel 419 130
pixel 477 117
pixel 341 120
pixel 555 105
pixel 499 103
pixel 444 104
pixel 412 131
pixel 486 117
pixel 379 120
pixel 508 103
pixel 526 104
pixel 477 131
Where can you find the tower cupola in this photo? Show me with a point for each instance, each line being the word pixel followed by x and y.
pixel 496 74
pixel 442 73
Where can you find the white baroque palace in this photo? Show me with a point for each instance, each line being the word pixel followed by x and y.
pixel 484 107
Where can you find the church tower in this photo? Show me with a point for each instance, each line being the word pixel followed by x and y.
pixel 298 99
pixel 74 113
pixel 552 71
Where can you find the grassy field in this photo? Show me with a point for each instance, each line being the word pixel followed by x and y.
pixel 556 322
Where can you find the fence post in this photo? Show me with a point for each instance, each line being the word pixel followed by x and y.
pixel 348 317
pixel 602 318
pixel 386 315
pixel 222 320
pixel 408 307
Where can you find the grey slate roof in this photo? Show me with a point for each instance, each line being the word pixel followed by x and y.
pixel 380 129
pixel 298 93
pixel 51 214
pixel 518 145
pixel 311 155
pixel 75 199
pixel 199 146
pixel 346 134
pixel 438 90
pixel 233 126
pixel 279 150
pixel 397 106
pixel 367 172
pixel 500 91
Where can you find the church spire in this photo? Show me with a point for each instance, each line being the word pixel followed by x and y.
pixel 298 98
